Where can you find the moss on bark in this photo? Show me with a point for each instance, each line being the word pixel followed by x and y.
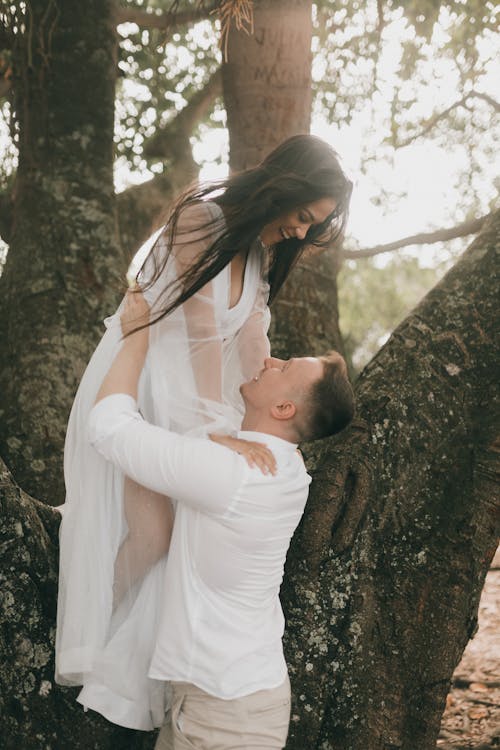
pixel 62 274
pixel 385 573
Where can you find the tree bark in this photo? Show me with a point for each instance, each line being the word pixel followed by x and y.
pixel 36 713
pixel 267 80
pixel 61 273
pixel 305 318
pixel 385 573
pixel 422 238
pixel 143 208
pixel 164 21
pixel 267 92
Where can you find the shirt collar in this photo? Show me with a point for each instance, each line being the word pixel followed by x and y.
pixel 272 441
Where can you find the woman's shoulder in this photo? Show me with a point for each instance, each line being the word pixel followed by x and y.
pixel 198 225
pixel 201 213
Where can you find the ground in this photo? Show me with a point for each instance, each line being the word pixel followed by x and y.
pixel 472 717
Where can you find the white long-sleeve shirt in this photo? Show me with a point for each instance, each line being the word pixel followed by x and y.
pixel 222 622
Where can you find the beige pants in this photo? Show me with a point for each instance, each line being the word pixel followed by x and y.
pixel 203 722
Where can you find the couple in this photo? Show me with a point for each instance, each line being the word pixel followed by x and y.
pixel 223 256
pixel 222 652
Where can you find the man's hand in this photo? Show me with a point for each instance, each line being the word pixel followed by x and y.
pixel 255 454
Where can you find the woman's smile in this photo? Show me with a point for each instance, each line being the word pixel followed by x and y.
pixel 296 223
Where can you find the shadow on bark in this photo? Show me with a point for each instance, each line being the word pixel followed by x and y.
pixel 384 574
pixel 36 713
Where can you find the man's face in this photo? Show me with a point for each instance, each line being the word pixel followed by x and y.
pixel 281 380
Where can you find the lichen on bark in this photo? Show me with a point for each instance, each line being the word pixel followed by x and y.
pixel 385 573
pixel 36 713
pixel 63 271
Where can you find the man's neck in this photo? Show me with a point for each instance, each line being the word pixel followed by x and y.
pixel 266 426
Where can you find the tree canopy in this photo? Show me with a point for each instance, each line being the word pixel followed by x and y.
pixel 372 64
pixel 384 574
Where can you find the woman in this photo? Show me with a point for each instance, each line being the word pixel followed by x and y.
pixel 225 252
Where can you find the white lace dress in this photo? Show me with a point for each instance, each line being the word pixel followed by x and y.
pixel 198 356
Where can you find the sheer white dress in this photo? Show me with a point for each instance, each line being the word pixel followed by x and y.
pixel 197 359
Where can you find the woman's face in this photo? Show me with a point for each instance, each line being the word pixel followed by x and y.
pixel 296 222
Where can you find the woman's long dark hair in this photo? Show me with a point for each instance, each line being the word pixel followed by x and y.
pixel 303 169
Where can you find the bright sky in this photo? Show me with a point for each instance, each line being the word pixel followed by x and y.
pixel 428 200
pixel 424 173
pixel 422 177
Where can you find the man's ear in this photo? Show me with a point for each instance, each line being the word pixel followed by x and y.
pixel 283 410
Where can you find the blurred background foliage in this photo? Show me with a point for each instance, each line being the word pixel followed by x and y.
pixel 395 82
pixel 373 300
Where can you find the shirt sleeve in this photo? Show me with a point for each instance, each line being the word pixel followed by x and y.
pixel 194 471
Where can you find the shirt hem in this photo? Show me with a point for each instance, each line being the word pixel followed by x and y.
pixel 241 693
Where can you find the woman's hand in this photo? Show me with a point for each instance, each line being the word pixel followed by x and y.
pixel 135 313
pixel 123 375
pixel 255 454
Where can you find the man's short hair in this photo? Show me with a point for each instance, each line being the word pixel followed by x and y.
pixel 330 402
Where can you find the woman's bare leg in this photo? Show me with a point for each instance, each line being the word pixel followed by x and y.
pixel 150 519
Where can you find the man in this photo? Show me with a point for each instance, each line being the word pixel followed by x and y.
pixel 219 639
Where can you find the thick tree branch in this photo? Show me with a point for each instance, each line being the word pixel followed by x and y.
pixel 5 35
pixel 432 122
pixel 165 21
pixel 416 585
pixel 165 142
pixel 141 208
pixel 5 216
pixel 487 98
pixel 424 238
pixel 5 87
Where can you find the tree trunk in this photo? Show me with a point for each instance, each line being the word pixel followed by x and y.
pixel 267 93
pixel 61 276
pixel 305 319
pixel 385 573
pixel 36 713
pixel 267 80
pixel 141 210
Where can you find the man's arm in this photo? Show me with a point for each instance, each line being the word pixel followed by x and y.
pixel 195 471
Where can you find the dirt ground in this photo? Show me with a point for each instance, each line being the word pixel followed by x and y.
pixel 472 717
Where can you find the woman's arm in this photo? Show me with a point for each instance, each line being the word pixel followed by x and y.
pixel 200 310
pixel 255 454
pixel 253 342
pixel 123 375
